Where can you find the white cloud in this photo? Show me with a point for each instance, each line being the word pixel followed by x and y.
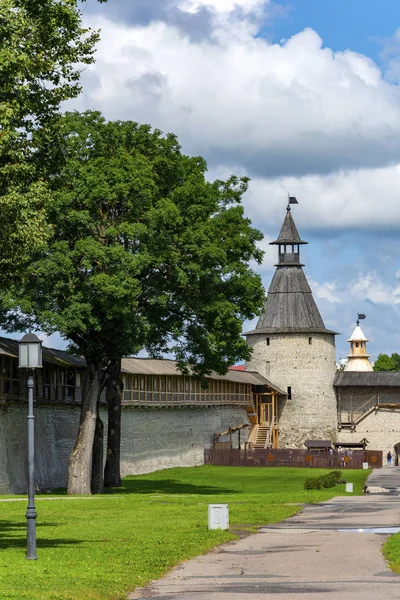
pixel 325 291
pixel 222 6
pixel 364 198
pixel 370 287
pixel 289 108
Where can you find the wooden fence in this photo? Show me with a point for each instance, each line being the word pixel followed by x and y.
pixel 292 458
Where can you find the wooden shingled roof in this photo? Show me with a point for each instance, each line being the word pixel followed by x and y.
pixel 288 233
pixel 367 379
pixel 165 366
pixel 290 306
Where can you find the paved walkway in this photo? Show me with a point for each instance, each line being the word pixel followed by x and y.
pixel 303 557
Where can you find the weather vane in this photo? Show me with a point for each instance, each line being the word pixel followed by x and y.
pixel 292 200
pixel 360 316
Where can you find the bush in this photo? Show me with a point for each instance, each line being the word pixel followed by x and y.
pixel 312 483
pixel 337 474
pixel 324 481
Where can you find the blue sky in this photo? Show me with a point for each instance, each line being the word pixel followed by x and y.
pixel 300 95
pixel 361 25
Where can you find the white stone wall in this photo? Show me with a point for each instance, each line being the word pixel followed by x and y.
pixel 381 428
pixel 309 369
pixel 152 439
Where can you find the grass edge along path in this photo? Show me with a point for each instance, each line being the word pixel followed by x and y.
pixel 102 550
pixel 391 552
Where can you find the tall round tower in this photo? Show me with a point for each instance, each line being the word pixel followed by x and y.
pixel 293 349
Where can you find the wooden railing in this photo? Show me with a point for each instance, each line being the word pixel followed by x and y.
pixel 352 417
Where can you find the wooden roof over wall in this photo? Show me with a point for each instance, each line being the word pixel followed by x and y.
pixel 153 366
pixel 367 379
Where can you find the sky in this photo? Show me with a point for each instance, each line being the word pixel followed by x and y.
pixel 303 97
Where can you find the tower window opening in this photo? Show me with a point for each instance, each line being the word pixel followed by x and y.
pixel 356 344
pixel 267 340
pixel 289 393
pixel 310 340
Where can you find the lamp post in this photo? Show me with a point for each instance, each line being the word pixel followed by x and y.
pixel 30 357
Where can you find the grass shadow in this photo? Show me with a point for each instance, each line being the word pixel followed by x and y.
pixel 166 486
pixel 13 535
pixel 20 542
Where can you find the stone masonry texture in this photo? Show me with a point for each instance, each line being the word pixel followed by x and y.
pixel 380 427
pixel 152 439
pixel 307 364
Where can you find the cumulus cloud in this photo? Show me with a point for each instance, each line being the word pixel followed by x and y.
pixel 295 116
pixel 368 286
pixel 371 287
pixel 325 291
pixel 196 25
pixel 358 199
pixel 277 109
pixel 222 6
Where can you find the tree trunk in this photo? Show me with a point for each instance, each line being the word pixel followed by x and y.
pixel 80 461
pixel 97 481
pixel 112 471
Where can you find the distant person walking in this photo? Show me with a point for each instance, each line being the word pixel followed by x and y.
pixel 389 459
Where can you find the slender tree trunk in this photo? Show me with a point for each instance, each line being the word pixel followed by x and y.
pixel 97 481
pixel 80 461
pixel 112 471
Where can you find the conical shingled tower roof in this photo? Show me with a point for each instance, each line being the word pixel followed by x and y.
pixel 288 233
pixel 290 305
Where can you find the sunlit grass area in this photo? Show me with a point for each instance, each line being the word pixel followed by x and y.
pixel 102 547
pixel 391 551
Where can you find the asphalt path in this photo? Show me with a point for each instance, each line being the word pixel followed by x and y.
pixel 306 556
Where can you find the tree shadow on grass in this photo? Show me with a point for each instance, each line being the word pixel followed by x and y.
pixel 13 535
pixel 166 486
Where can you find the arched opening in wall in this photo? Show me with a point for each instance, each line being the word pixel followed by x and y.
pixel 397 454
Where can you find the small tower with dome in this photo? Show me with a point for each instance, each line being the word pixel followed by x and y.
pixel 358 359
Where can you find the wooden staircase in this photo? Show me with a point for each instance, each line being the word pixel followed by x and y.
pixel 263 439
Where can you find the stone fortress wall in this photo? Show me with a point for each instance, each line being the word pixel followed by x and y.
pixel 307 364
pixel 152 439
pixel 381 427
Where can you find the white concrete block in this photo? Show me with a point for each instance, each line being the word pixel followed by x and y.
pixel 218 516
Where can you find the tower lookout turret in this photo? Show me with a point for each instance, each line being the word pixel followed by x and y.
pixel 293 348
pixel 358 359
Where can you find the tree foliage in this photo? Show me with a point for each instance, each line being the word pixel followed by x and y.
pixel 41 44
pixel 143 242
pixel 387 363
pixel 145 253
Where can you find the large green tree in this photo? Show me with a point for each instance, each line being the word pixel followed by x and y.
pixel 146 253
pixel 43 46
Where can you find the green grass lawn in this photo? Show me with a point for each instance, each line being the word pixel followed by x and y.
pixel 391 551
pixel 101 547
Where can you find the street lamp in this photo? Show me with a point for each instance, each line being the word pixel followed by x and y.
pixel 30 357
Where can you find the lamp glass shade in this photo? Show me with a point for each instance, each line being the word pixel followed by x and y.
pixel 30 355
pixel 23 355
